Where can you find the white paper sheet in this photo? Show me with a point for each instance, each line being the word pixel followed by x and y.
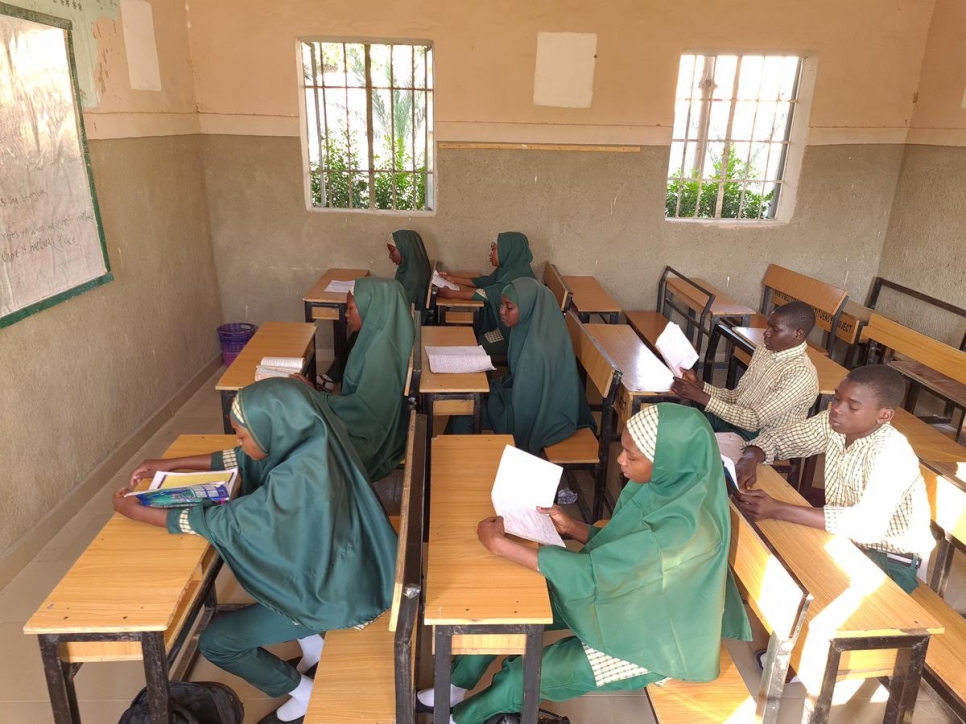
pixel 524 481
pixel 653 373
pixel 441 282
pixel 340 287
pixel 458 360
pixel 676 349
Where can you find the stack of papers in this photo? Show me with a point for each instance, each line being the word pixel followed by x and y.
pixel 180 490
pixel 676 349
pixel 524 481
pixel 278 367
pixel 458 360
pixel 441 282
pixel 341 287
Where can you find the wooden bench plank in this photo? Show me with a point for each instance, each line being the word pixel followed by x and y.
pixel 726 699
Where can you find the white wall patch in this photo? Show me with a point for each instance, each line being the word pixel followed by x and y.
pixel 137 22
pixel 564 76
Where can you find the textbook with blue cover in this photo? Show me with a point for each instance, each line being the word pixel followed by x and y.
pixel 181 490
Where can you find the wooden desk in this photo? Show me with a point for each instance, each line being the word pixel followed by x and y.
pixel 830 374
pixel 723 306
pixel 130 596
pixel 930 444
pixel 273 339
pixel 636 363
pixel 320 304
pixel 459 311
pixel 955 471
pixel 860 624
pixel 450 394
pixel 589 297
pixel 477 602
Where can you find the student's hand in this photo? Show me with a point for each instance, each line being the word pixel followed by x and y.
pixel 757 504
pixel 445 275
pixel 446 293
pixel 747 467
pixel 693 391
pixel 302 378
pixel 490 531
pixel 561 521
pixel 147 469
pixel 128 507
pixel 690 377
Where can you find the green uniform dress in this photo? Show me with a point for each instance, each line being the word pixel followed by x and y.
pixel 649 596
pixel 307 538
pixel 541 401
pixel 413 271
pixel 371 403
pixel 513 252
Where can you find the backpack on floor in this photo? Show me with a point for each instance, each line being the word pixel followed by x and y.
pixel 192 702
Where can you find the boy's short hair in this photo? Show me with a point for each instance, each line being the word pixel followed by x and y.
pixel 886 383
pixel 799 315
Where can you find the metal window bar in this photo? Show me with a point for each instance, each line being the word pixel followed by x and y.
pixel 726 154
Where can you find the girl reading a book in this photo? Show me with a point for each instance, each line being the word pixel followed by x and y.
pixel 371 401
pixel 407 252
pixel 307 538
pixel 511 256
pixel 540 401
pixel 648 596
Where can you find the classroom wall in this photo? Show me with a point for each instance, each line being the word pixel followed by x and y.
pixel 925 245
pixel 83 376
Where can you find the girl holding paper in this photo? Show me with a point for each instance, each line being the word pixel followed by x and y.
pixel 307 538
pixel 648 597
pixel 511 256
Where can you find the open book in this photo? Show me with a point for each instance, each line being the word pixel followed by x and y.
pixel 338 286
pixel 441 282
pixel 676 349
pixel 278 367
pixel 180 490
pixel 458 359
pixel 524 481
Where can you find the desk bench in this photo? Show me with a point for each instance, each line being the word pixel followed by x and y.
pixel 320 304
pixel 589 297
pixel 111 607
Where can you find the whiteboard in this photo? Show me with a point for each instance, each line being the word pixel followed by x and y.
pixel 51 240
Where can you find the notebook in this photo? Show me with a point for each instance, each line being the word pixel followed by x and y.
pixel 278 367
pixel 180 490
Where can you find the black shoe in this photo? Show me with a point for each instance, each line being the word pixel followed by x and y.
pixel 546 717
pixel 422 708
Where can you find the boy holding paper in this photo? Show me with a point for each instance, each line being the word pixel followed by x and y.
pixel 778 388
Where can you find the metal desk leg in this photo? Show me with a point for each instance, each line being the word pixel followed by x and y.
pixel 441 679
pixel 339 342
pixel 477 413
pixel 227 398
pixel 308 306
pixel 428 411
pixel 817 707
pixel 904 685
pixel 311 369
pixel 532 661
pixel 156 676
pixel 613 317
pixel 60 681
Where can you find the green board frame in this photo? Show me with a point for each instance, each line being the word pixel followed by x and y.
pixel 67 27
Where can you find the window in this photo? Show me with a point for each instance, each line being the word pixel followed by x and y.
pixel 731 143
pixel 368 125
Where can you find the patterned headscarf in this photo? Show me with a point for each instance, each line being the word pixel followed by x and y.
pixel 643 430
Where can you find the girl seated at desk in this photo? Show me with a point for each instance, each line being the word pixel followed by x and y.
pixel 649 595
pixel 540 401
pixel 307 538
pixel 407 252
pixel 511 256
pixel 371 403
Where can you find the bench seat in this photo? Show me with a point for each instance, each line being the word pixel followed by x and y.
pixel 946 655
pixel 726 699
pixel 648 326
pixel 581 447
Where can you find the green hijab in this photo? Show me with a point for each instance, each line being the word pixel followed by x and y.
pixel 513 252
pixel 541 401
pixel 308 538
pixel 371 403
pixel 653 587
pixel 413 271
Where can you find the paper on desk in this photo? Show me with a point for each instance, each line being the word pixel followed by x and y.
pixel 337 286
pixel 524 481
pixel 458 360
pixel 441 282
pixel 676 349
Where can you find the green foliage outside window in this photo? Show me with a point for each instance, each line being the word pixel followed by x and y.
pixel 738 202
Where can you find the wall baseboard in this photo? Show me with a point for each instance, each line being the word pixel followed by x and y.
pixel 19 555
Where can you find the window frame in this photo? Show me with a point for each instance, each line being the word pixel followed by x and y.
pixel 794 146
pixel 432 151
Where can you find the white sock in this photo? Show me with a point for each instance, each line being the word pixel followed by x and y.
pixel 299 703
pixel 428 696
pixel 311 652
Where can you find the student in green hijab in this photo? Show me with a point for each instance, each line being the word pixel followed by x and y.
pixel 307 538
pixel 540 401
pixel 648 597
pixel 407 252
pixel 371 403
pixel 511 256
